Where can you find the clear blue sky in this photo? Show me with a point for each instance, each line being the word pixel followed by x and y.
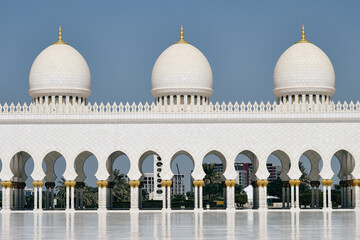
pixel 121 41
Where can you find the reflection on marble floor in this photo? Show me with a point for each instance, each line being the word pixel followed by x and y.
pixel 181 225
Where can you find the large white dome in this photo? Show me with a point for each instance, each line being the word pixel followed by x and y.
pixel 182 70
pixel 60 70
pixel 304 69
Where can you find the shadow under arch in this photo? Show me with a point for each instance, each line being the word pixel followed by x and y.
pixel 220 156
pixel 49 161
pixel 118 187
pixel 345 190
pixel 180 177
pixel 111 160
pixel 278 187
pixel 17 166
pixel 314 159
pixel 311 179
pixel 144 156
pixel 79 165
pixel 285 166
pixel 85 195
pixel 250 168
pixel 179 153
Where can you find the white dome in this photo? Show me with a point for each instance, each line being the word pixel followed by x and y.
pixel 304 69
pixel 182 69
pixel 60 70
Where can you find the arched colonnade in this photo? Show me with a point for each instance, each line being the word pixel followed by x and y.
pixel 13 187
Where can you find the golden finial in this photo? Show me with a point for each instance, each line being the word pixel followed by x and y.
pixel 303 40
pixel 60 41
pixel 181 36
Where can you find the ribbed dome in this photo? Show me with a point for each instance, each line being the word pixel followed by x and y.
pixel 304 69
pixel 182 69
pixel 60 70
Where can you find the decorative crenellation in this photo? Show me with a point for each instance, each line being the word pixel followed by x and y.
pixel 82 108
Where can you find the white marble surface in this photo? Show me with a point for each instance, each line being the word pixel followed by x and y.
pixel 181 225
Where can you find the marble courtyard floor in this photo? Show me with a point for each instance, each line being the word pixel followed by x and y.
pixel 245 224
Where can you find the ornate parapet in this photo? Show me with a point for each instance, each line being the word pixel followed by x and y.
pixel 122 108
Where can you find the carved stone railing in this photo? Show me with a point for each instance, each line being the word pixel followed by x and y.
pixel 133 108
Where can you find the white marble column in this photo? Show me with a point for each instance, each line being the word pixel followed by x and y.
pixel 262 186
pixel 292 184
pixel 230 197
pixel 134 192
pixel 329 196
pixel 201 184
pixel 297 202
pixel 40 184
pixel 6 186
pixel 72 198
pixel 196 195
pixel 67 197
pixel 164 186
pixel 169 194
pixel 324 184
pixel 35 195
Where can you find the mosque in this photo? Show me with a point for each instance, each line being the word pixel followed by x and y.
pixel 61 122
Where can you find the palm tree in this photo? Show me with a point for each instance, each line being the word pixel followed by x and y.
pixel 121 189
pixel 60 192
pixel 212 176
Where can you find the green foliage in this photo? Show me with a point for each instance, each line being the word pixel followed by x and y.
pixel 190 195
pixel 90 195
pixel 274 188
pixel 212 176
pixel 121 189
pixel 179 204
pixel 241 198
pixel 152 204
pixel 121 205
pixel 213 192
pixel 178 197
pixel 239 189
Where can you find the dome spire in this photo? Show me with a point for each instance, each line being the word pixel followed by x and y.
pixel 303 40
pixel 181 36
pixel 60 41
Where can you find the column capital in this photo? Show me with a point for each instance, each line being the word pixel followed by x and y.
pixel 356 182
pixel 314 183
pixel 102 183
pixel 230 182
pixel 349 183
pixel 294 182
pixel 285 183
pixel 70 183
pixel 38 183
pixel 166 183
pixel 326 182
pixel 6 184
pixel 262 182
pixel 198 183
pixel 135 183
